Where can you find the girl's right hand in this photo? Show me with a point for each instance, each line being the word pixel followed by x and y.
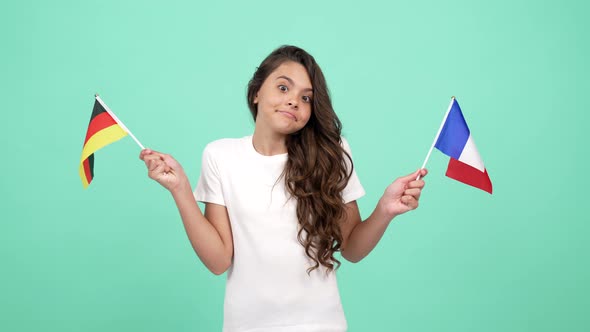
pixel 164 169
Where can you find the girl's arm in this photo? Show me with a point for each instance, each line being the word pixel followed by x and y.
pixel 210 234
pixel 359 238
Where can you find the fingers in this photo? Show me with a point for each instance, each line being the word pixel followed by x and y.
pixel 411 194
pixel 416 184
pixel 410 180
pixel 414 192
pixel 423 172
pixel 144 153
pixel 411 197
pixel 169 160
pixel 149 159
pixel 156 162
pixel 159 167
pixel 420 172
pixel 410 201
pixel 410 177
pixel 147 152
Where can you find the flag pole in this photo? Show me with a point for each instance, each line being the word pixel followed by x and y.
pixel 437 134
pixel 118 121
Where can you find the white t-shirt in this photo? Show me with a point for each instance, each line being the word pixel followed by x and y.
pixel 268 288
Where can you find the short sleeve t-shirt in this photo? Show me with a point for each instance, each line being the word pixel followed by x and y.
pixel 268 288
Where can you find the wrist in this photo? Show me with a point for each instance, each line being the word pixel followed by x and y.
pixel 183 188
pixel 383 212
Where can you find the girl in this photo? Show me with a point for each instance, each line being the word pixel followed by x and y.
pixel 280 203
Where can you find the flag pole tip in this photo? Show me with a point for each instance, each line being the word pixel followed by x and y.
pixel 453 97
pixel 96 95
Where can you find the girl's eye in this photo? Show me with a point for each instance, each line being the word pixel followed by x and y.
pixel 307 99
pixel 283 88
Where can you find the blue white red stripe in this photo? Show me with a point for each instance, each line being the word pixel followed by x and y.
pixel 455 140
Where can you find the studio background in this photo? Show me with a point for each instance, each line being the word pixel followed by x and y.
pixel 115 257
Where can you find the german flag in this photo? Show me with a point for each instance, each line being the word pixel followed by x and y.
pixel 102 131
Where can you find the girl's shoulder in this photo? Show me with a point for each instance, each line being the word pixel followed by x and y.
pixel 345 144
pixel 226 146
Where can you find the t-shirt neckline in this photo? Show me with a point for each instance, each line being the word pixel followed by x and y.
pixel 250 144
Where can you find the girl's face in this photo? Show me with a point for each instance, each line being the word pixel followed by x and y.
pixel 284 100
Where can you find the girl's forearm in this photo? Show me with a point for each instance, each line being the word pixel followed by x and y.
pixel 365 235
pixel 204 238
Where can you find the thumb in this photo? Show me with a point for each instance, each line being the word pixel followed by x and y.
pixel 170 161
pixel 413 176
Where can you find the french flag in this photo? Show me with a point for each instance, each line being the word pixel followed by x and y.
pixel 455 140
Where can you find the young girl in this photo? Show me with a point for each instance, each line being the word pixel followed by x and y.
pixel 280 203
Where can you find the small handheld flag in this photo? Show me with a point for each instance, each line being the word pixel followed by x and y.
pixel 455 140
pixel 104 128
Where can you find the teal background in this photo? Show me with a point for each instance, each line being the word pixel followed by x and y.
pixel 115 257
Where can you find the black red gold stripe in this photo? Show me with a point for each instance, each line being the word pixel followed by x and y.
pixel 102 131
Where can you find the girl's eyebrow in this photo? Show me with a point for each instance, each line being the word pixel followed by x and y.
pixel 291 82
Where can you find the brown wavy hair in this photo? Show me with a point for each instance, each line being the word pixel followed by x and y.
pixel 316 172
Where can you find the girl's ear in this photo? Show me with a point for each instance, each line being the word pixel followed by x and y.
pixel 256 98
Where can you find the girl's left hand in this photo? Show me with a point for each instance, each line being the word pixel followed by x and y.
pixel 403 194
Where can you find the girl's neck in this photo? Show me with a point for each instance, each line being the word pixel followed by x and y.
pixel 269 144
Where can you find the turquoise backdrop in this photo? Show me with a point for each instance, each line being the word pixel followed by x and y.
pixel 115 257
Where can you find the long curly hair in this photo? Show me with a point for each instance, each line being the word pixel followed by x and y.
pixel 317 168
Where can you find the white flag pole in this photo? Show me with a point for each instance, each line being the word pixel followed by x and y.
pixel 118 121
pixel 437 134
